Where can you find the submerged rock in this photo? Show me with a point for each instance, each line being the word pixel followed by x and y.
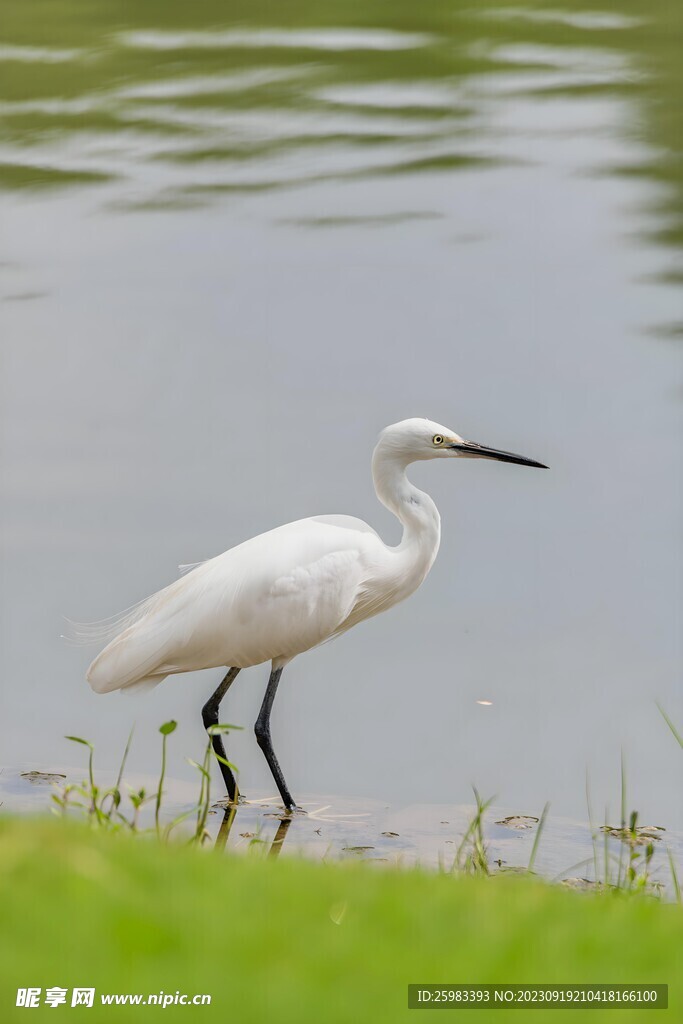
pixel 518 821
pixel 42 778
pixel 639 836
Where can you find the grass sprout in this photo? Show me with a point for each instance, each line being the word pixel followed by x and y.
pixel 109 809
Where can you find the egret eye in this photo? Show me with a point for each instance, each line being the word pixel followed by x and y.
pixel 437 439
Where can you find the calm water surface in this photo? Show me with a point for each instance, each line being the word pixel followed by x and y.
pixel 233 249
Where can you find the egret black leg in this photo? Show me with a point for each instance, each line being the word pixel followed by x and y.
pixel 210 717
pixel 262 730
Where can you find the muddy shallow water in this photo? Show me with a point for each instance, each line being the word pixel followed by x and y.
pixel 334 828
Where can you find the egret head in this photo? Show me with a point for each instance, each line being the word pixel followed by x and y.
pixel 416 439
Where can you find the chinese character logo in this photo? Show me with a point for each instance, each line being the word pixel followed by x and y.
pixel 28 996
pixel 55 996
pixel 82 996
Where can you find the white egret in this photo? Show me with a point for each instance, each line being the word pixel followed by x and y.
pixel 288 590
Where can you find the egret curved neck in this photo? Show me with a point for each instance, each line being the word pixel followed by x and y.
pixel 416 511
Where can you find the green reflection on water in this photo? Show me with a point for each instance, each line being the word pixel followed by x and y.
pixel 230 101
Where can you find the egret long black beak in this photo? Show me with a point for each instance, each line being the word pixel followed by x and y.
pixel 472 450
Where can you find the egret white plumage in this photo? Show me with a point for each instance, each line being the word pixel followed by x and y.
pixel 289 590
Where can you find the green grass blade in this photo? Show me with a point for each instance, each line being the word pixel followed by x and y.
pixel 668 721
pixel 537 837
pixel 674 875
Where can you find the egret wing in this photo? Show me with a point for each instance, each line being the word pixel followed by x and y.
pixel 271 597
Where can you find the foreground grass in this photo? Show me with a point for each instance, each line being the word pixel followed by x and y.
pixel 290 940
